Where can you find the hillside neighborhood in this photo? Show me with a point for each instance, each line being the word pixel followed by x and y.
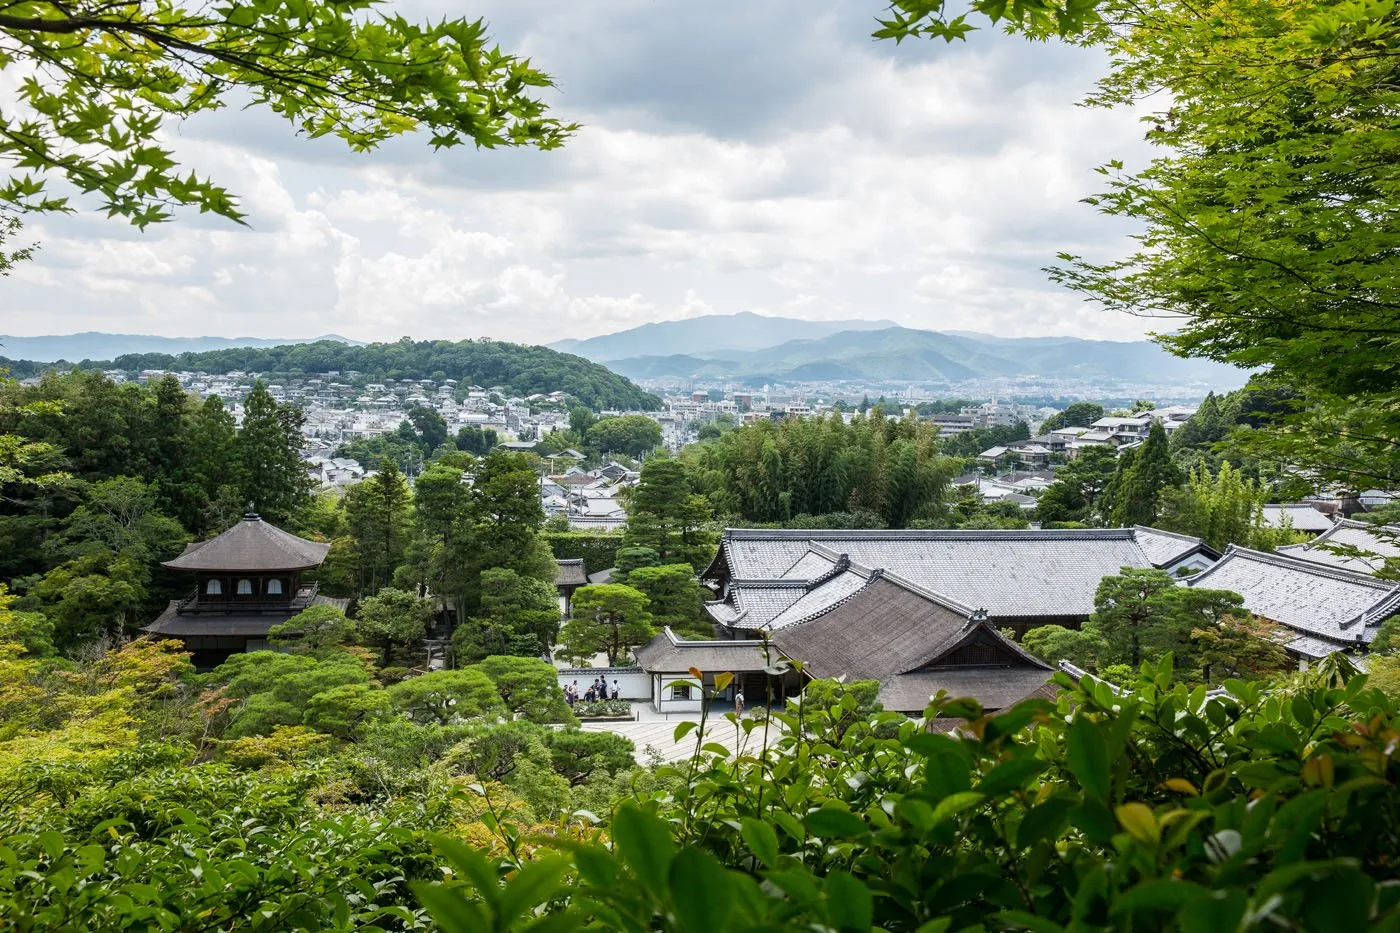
pixel 784 467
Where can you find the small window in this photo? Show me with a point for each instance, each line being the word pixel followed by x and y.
pixel 214 588
pixel 274 587
pixel 245 587
pixel 680 691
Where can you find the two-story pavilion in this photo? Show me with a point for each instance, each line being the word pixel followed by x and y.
pixel 247 580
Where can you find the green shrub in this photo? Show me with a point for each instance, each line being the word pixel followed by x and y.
pixel 599 551
pixel 1270 806
pixel 585 709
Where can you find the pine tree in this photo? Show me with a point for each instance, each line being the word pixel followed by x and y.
pixel 667 516
pixel 377 512
pixel 1152 473
pixel 274 480
pixel 210 488
pixel 1107 506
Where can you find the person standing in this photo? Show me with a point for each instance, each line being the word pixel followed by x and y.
pixel 739 702
pixel 616 692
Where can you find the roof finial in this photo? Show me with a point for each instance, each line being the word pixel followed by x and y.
pixel 251 515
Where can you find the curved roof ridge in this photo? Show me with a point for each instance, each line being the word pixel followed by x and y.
pixel 843 562
pixel 944 601
pixel 1298 563
pixel 251 545
pixel 815 536
pixel 1170 534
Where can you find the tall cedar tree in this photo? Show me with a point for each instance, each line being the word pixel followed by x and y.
pixel 505 514
pixel 665 515
pixel 275 481
pixel 378 513
pixel 1153 472
pixel 210 486
pixel 441 531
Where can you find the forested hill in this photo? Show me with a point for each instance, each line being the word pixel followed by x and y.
pixel 520 369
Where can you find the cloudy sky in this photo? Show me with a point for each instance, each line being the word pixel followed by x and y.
pixel 736 156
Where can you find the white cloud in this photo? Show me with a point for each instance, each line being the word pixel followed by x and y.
pixel 767 157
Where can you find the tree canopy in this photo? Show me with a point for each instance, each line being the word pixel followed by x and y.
pixel 1269 219
pixel 100 84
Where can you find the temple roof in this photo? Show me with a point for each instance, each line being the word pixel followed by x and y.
pixel 225 624
pixel 570 572
pixel 669 654
pixel 1044 573
pixel 1329 607
pixel 915 643
pixel 1350 545
pixel 251 546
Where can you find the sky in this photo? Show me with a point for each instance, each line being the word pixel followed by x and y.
pixel 734 156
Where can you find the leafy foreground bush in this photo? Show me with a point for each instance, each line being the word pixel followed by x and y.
pixel 1273 807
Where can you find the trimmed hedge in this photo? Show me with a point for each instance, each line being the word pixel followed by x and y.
pixel 599 551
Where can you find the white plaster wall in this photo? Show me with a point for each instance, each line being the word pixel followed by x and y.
pixel 668 705
pixel 632 683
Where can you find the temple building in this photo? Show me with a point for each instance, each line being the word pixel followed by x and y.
pixel 246 580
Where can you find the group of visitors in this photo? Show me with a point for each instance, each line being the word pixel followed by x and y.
pixel 598 690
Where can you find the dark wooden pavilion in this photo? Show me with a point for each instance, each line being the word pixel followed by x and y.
pixel 247 580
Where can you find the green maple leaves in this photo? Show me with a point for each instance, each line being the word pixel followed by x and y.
pixel 103 81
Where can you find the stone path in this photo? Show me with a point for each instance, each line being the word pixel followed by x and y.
pixel 659 736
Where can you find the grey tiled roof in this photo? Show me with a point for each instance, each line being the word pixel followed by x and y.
pixel 809 566
pixel 1009 573
pixel 1297 515
pixel 1310 647
pixel 251 545
pixel 1164 548
pixel 570 572
pixel 758 602
pixel 667 654
pixel 1348 537
pixel 819 599
pixel 1312 599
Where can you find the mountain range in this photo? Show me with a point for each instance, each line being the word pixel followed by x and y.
pixel 711 332
pixel 751 348
pixel 94 345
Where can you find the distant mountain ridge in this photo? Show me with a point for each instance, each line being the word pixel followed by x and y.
pixel 708 333
pixel 96 345
pixel 881 351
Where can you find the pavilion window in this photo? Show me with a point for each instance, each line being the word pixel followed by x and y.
pixel 680 691
pixel 274 587
pixel 214 588
pixel 245 587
